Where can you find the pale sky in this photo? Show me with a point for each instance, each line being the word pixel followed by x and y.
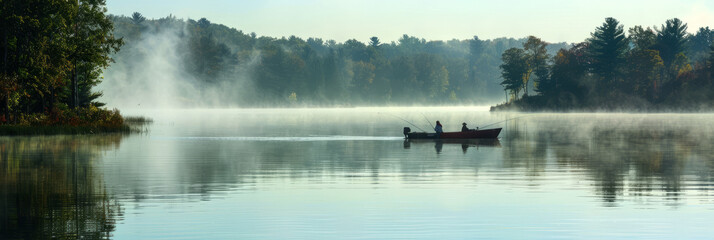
pixel 340 20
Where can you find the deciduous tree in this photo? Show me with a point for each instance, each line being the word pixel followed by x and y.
pixel 514 70
pixel 537 62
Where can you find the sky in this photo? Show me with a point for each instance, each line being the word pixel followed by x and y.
pixel 341 20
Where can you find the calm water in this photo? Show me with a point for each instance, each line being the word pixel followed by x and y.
pixel 348 174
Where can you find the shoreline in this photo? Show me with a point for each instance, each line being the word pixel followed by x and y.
pixel 99 121
pixel 536 104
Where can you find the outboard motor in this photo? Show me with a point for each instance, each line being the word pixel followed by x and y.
pixel 407 130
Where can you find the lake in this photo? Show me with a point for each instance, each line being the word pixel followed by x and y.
pixel 349 174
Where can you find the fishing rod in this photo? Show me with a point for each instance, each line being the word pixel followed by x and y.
pixel 427 120
pixel 407 122
pixel 503 121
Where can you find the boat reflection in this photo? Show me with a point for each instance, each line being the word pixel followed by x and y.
pixel 465 143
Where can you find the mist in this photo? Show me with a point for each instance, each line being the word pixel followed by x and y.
pixel 150 72
pixel 175 63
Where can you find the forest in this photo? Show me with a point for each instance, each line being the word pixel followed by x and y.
pixel 222 66
pixel 649 69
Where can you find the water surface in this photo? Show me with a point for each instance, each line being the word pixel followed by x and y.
pixel 349 174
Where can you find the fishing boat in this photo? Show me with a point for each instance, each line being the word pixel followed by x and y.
pixel 471 134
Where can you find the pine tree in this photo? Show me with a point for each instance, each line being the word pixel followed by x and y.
pixel 607 49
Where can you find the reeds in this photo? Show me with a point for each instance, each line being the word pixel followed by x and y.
pixel 137 120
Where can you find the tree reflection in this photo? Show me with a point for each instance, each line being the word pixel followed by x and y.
pixel 618 160
pixel 525 149
pixel 49 188
pixel 641 160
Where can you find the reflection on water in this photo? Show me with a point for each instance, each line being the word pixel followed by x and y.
pixel 288 139
pixel 465 143
pixel 336 174
pixel 50 189
pixel 630 156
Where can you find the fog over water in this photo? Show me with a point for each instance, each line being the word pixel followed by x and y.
pixel 150 72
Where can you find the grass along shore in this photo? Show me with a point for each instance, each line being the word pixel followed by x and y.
pixel 86 120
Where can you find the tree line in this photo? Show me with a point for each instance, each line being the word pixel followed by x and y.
pixel 317 72
pixel 54 54
pixel 660 68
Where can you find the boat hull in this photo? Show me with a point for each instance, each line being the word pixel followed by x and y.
pixel 473 134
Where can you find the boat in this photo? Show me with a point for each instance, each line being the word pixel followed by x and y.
pixel 471 134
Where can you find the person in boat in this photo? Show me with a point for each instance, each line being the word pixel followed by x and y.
pixel 439 129
pixel 464 128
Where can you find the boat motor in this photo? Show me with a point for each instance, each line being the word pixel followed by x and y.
pixel 407 130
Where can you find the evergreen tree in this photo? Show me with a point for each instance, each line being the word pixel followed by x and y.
pixel 137 18
pixel 671 40
pixel 607 49
pixel 374 41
